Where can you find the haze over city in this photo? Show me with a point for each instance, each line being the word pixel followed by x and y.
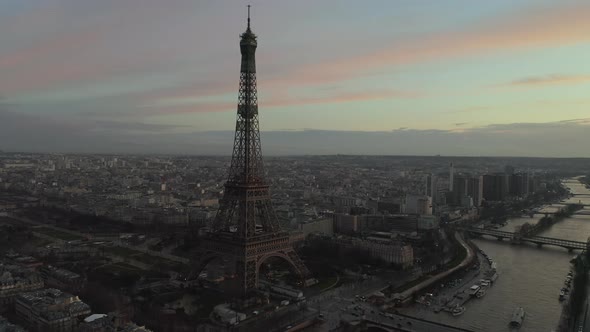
pixel 496 78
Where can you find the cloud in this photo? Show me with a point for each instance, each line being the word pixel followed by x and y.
pixel 95 48
pixel 469 109
pixel 343 98
pixel 533 28
pixel 194 105
pixel 554 79
pixel 565 24
pixel 578 121
pixel 68 43
pixel 25 132
pixel 37 51
pixel 134 126
pixel 20 131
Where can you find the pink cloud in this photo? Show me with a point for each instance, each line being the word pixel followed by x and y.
pixel 555 79
pixel 187 109
pixel 80 56
pixel 47 48
pixel 340 98
pixel 281 101
pixel 547 27
pixel 87 49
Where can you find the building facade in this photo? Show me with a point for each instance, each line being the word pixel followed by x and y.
pixel 50 310
pixel 15 280
pixel 323 226
pixel 495 187
pixel 387 250
pixel 62 279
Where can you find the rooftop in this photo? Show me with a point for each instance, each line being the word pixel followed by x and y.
pixel 61 272
pixel 53 304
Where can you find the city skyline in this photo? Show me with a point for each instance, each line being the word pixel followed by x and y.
pixel 501 79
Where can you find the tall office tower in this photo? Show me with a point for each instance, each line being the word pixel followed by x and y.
pixel 495 187
pixel 519 184
pixel 460 185
pixel 246 229
pixel 430 185
pixel 475 189
pixel 451 176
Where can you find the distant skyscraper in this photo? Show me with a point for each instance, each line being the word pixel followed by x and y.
pixel 451 176
pixel 431 183
pixel 475 189
pixel 519 184
pixel 467 186
pixel 460 187
pixel 495 187
pixel 432 190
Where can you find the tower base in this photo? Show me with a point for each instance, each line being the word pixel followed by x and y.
pixel 248 255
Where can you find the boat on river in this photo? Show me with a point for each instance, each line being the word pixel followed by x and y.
pixel 492 275
pixel 458 311
pixel 517 317
pixel 480 293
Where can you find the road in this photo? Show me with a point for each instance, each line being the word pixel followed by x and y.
pixel 332 304
pixel 407 323
pixel 583 320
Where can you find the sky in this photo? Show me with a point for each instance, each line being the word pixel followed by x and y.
pixel 457 77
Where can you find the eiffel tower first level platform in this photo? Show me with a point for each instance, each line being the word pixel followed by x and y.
pixel 246 230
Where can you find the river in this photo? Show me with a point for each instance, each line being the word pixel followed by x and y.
pixel 530 277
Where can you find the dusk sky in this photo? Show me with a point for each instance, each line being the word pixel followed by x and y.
pixel 502 77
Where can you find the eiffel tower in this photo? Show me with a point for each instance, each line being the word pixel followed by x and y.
pixel 246 230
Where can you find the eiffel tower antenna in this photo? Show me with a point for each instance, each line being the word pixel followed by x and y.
pixel 249 17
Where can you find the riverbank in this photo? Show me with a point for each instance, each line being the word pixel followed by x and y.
pixel 529 277
pixel 528 230
pixel 407 292
pixel 453 293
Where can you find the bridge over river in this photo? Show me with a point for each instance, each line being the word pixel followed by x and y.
pixel 577 213
pixel 538 240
